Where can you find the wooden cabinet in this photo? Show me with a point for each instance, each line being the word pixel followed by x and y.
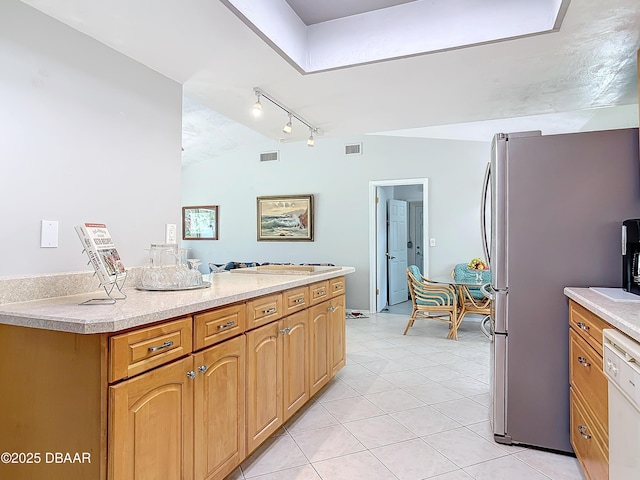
pixel 217 325
pixel 151 425
pixel 296 386
pixel 589 397
pixel 337 339
pixel 146 348
pixel 319 292
pixel 187 398
pixel 263 310
pixel 264 383
pixel 327 342
pixel 295 300
pixel 319 347
pixel 181 421
pixel 219 409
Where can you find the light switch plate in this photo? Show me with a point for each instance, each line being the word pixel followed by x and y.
pixel 170 233
pixel 49 234
pixel 432 242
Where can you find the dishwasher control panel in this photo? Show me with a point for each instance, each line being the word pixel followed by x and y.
pixel 621 364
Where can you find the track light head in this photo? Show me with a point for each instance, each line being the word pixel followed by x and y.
pixel 256 110
pixel 288 127
pixel 310 141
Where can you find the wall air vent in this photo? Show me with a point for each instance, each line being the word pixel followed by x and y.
pixel 270 156
pixel 353 149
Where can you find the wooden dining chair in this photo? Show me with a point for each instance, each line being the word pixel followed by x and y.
pixel 432 300
pixel 471 298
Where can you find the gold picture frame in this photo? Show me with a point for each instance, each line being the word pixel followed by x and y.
pixel 288 218
pixel 200 223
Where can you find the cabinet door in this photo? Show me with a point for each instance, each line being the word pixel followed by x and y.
pixel 337 315
pixel 319 346
pixel 296 363
pixel 219 409
pixel 264 383
pixel 151 425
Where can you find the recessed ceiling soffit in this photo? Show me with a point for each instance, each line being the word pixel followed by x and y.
pixel 389 29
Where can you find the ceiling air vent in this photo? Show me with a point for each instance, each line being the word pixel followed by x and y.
pixel 353 149
pixel 270 156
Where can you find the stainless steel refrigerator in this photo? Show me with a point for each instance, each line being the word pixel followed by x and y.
pixel 556 208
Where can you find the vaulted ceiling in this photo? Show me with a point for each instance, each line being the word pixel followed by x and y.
pixel 584 73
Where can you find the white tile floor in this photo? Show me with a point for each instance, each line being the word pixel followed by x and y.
pixel 408 407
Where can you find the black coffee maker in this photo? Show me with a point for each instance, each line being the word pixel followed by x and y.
pixel 631 256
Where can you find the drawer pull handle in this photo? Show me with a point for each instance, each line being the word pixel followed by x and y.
pixel 226 325
pixel 583 326
pixel 582 430
pixel 160 347
pixel 286 330
pixel 268 311
pixel 191 374
pixel 320 293
pixel 298 300
pixel 583 361
pixel 339 287
pixel 202 368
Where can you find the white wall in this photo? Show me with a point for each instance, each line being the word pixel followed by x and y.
pixel 87 135
pixel 340 184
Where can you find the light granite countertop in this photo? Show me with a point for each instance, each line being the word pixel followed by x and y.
pixel 144 307
pixel 624 315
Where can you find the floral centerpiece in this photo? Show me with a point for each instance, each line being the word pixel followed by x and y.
pixel 477 265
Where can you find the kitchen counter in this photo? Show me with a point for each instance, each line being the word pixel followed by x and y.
pixel 143 307
pixel 623 315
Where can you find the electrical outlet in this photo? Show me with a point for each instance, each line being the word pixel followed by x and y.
pixel 170 233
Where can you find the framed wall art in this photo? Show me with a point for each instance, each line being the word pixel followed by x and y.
pixel 200 223
pixel 285 218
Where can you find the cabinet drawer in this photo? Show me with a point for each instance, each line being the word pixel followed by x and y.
pixel 587 443
pixel 263 310
pixel 217 325
pixel 588 325
pixel 337 286
pixel 135 352
pixel 295 300
pixel 319 292
pixel 585 371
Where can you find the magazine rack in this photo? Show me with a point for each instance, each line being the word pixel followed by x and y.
pixel 112 289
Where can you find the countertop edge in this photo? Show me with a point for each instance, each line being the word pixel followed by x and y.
pixel 625 316
pixel 64 314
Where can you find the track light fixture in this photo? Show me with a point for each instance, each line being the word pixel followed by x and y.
pixel 256 110
pixel 288 127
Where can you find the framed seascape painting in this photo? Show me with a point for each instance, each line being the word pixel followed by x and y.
pixel 200 223
pixel 285 218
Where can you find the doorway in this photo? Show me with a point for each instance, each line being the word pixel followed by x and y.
pixel 379 192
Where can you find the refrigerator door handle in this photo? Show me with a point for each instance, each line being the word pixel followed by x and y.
pixel 485 291
pixel 483 212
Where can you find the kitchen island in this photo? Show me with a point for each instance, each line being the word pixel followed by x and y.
pixel 590 312
pixel 191 381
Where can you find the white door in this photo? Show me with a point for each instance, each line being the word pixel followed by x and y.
pixel 381 250
pixel 419 237
pixel 397 251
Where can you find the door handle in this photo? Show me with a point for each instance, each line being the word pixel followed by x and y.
pixel 390 257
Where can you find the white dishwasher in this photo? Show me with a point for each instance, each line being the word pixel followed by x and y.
pixel 622 368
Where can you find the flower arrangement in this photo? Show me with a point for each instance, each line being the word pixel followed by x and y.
pixel 477 264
